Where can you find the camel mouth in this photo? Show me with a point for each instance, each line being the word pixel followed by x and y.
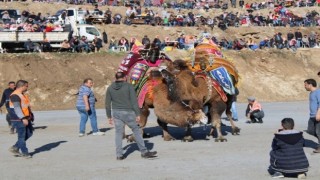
pixel 203 119
pixel 199 117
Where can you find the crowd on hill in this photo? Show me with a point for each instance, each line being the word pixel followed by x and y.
pixel 292 40
pixel 278 16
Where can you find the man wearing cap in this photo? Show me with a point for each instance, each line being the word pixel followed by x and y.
pixel 254 111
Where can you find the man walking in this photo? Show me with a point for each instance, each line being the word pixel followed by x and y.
pixel 21 117
pixel 86 108
pixel 5 100
pixel 121 98
pixel 314 107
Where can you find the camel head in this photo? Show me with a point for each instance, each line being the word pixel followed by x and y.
pixel 179 82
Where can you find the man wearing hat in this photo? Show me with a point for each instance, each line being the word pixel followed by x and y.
pixel 254 111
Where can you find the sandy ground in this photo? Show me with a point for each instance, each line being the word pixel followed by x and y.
pixel 58 153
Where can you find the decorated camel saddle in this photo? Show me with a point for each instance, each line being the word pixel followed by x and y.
pixel 207 60
pixel 138 66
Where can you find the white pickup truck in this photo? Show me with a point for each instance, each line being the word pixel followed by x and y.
pixel 14 40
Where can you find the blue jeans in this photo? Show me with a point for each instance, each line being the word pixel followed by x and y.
pixel 234 111
pixel 84 117
pixel 24 133
pixel 122 118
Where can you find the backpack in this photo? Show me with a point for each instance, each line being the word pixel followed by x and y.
pixel 105 37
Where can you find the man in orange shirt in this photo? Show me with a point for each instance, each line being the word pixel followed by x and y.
pixel 254 111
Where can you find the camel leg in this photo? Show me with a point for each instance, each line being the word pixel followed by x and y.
pixel 144 113
pixel 143 120
pixel 188 135
pixel 216 111
pixel 235 129
pixel 164 126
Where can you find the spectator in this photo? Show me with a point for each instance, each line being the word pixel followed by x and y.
pixel 264 43
pixel 113 43
pixel 254 111
pixel 65 46
pixel 46 46
pixel 123 44
pixel 181 41
pixel 97 43
pixel 145 40
pixel 287 147
pixel 29 46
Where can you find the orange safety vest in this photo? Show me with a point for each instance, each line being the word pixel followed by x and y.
pixel 25 103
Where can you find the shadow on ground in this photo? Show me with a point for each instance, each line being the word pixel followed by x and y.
pixel 198 133
pixel 47 147
pixel 130 148
pixel 40 127
pixel 102 130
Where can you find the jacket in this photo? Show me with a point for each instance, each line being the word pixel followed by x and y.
pixel 122 96
pixel 287 154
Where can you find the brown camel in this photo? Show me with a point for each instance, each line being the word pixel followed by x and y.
pixel 186 85
pixel 175 111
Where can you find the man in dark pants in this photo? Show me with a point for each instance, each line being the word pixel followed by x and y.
pixel 5 100
pixel 314 107
pixel 121 98
pixel 21 117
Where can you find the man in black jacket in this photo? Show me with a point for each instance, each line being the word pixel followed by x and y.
pixel 5 101
pixel 121 98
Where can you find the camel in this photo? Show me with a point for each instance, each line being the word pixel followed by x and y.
pixel 186 85
pixel 170 109
pixel 176 111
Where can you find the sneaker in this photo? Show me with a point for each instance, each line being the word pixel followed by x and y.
pixel 302 176
pixel 25 155
pixel 317 150
pixel 98 133
pixel 121 158
pixel 277 175
pixel 81 134
pixel 149 154
pixel 14 150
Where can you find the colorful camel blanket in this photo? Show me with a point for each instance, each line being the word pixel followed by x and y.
pixel 222 76
pixel 215 84
pixel 147 88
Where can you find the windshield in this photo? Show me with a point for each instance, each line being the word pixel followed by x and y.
pixel 93 31
pixel 59 12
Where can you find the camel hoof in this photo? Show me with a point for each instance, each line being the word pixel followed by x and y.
pixel 168 138
pixel 220 139
pixel 236 131
pixel 130 138
pixel 187 139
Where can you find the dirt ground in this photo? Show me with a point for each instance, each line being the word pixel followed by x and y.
pixel 58 153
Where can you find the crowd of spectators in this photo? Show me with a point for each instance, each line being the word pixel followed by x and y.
pixel 280 15
pixel 292 40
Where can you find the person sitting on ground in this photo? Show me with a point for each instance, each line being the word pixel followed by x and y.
pixel 287 157
pixel 65 46
pixel 113 43
pixel 29 46
pixel 254 111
